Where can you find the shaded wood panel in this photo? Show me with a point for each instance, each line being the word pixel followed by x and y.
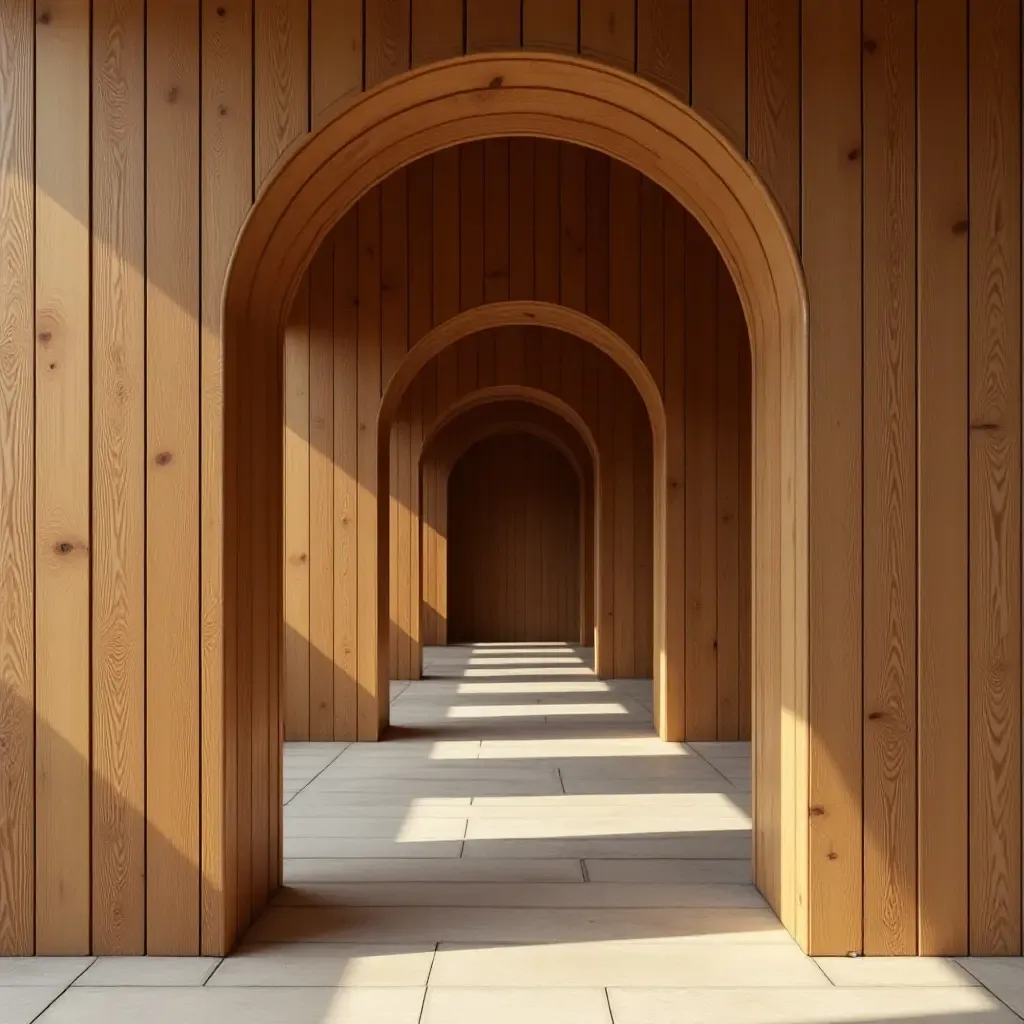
pixel 514 533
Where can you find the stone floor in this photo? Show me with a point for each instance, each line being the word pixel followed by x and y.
pixel 523 849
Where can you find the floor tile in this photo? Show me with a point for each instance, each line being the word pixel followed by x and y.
pixel 328 965
pixel 367 848
pixel 901 971
pixel 22 1004
pixel 699 846
pixel 41 970
pixel 679 926
pixel 400 830
pixel 661 872
pixel 451 869
pixel 626 964
pixel 149 971
pixel 515 1005
pixel 1003 975
pixel 211 1005
pixel 807 1006
pixel 594 895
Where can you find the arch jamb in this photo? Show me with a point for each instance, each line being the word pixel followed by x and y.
pixel 632 121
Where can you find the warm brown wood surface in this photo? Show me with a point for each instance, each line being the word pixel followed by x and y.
pixel 847 111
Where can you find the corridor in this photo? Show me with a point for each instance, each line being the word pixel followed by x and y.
pixel 522 848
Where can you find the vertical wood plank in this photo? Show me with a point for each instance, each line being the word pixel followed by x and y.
pixel 437 30
pixel 745 625
pixel 226 183
pixel 701 372
pixel 369 384
pixel 321 493
pixel 471 255
pixel 547 220
pixel 995 635
pixel 719 60
pixel 942 473
pixel 671 702
pixel 608 31
pixel 62 481
pixel 282 79
pixel 346 478
pixel 890 345
pixel 119 460
pixel 394 344
pixel 298 653
pixel 773 101
pixel 172 478
pixel 551 25
pixel 663 44
pixel 511 355
pixel 493 25
pixel 336 56
pixel 17 433
pixel 446 265
pixel 831 249
pixel 387 40
pixel 731 338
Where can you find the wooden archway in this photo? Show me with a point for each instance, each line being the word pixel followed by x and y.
pixel 481 414
pixel 316 182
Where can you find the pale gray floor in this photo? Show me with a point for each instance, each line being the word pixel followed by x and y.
pixel 524 850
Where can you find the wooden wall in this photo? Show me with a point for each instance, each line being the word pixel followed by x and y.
pixel 533 219
pixel 447 444
pixel 133 137
pixel 513 543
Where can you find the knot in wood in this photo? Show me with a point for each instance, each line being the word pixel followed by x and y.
pixel 163 459
pixel 64 548
pixel 496 83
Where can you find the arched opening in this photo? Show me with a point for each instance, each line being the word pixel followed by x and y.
pixel 514 543
pixel 613 113
pixel 481 415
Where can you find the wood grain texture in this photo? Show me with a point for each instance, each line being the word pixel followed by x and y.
pixel 995 530
pixel 497 491
pixel 321 493
pixel 719 60
pixel 608 31
pixel 118 479
pixel 437 30
pixel 942 474
pixel 226 184
pixel 831 247
pixel 62 481
pixel 335 55
pixel 346 476
pixel 731 340
pixel 551 25
pixel 367 401
pixel 281 78
pixel 701 488
pixel 773 101
pixel 298 457
pixel 890 472
pixel 493 25
pixel 172 479
pixel 17 480
pixel 670 717
pixel 388 46
pixel 663 44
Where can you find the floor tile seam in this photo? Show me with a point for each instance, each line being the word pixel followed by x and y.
pixel 318 774
pixel 991 992
pixel 62 992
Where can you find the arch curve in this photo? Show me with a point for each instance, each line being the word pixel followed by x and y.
pixel 636 123
pixel 490 411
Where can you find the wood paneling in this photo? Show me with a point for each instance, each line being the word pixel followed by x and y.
pixel 995 526
pixel 890 349
pixel 942 514
pixel 831 246
pixel 513 529
pixel 63 337
pixel 909 448
pixel 172 479
pixel 118 484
